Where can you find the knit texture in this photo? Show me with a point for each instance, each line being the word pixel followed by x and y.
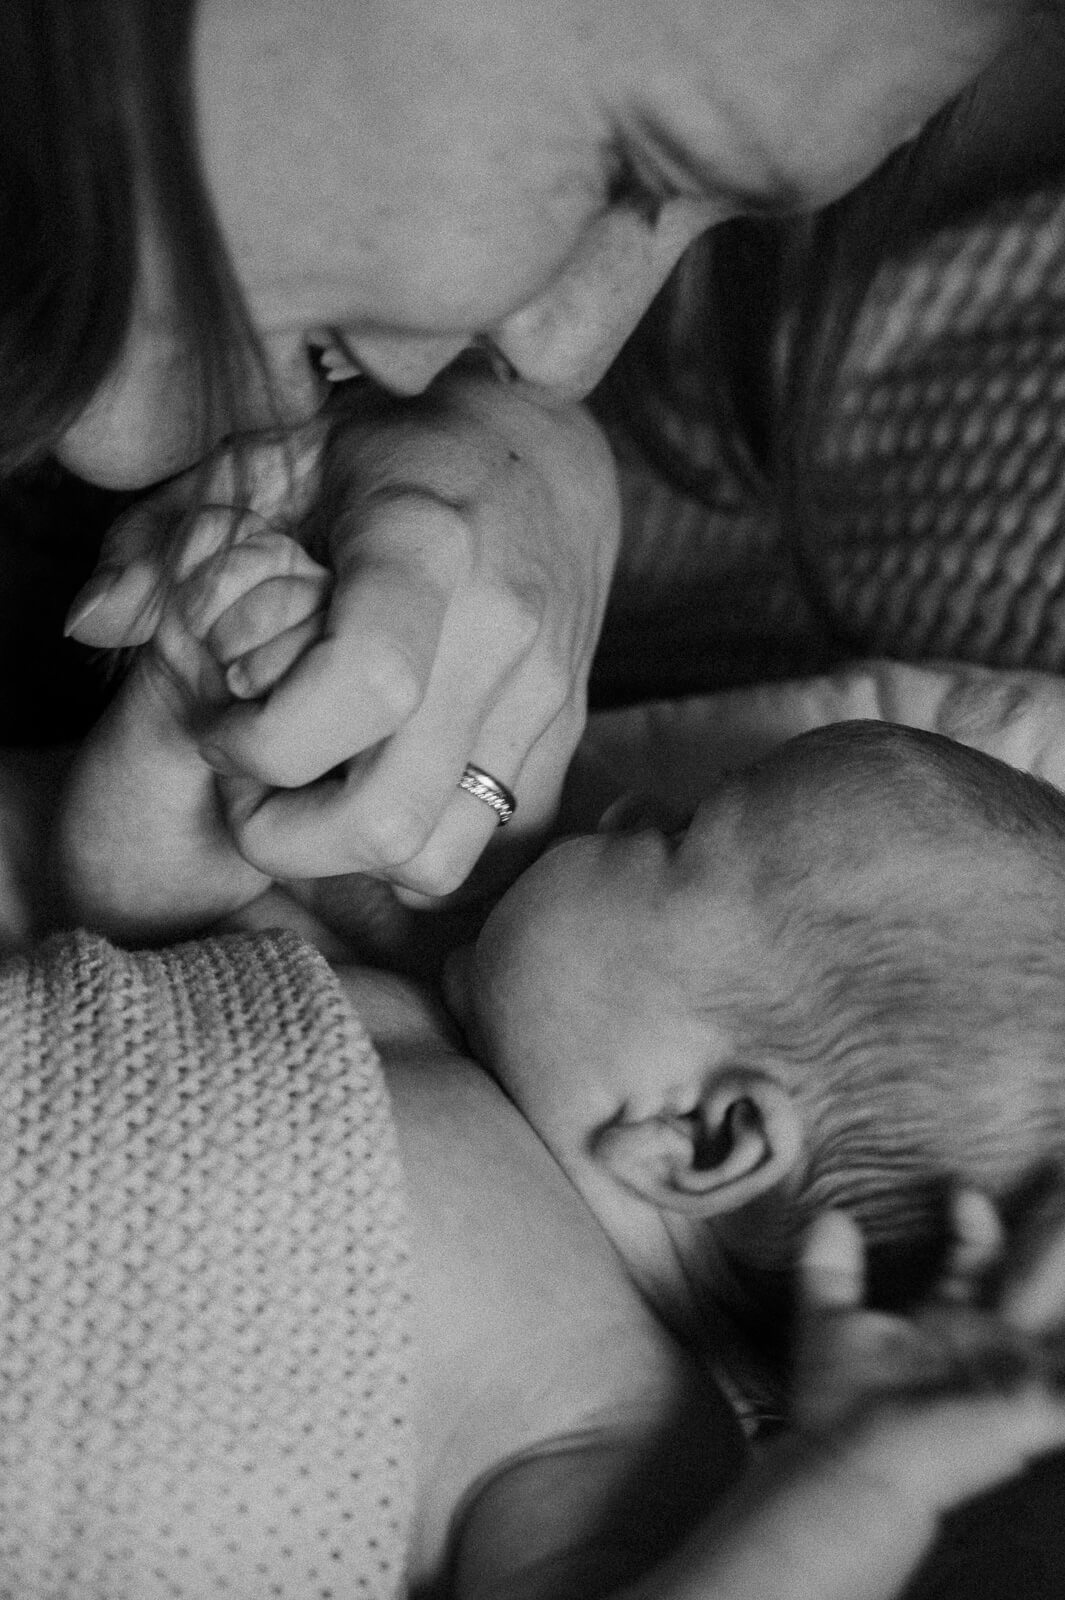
pixel 933 493
pixel 203 1280
pixel 936 507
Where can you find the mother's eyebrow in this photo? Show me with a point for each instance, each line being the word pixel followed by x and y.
pixel 777 196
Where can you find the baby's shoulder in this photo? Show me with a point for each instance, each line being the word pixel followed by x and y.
pixel 541 1365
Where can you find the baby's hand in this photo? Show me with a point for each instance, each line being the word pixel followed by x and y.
pixel 243 611
pixel 944 1404
pixel 143 845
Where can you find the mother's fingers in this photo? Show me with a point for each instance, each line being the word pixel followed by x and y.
pixel 263 667
pixel 397 811
pixel 271 483
pixel 468 826
pixel 304 832
pixel 368 674
pixel 498 700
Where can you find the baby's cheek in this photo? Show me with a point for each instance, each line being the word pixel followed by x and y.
pixel 472 996
pixel 457 986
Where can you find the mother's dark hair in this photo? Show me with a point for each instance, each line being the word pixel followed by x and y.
pixel 97 125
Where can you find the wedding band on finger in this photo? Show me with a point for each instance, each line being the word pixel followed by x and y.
pixel 484 787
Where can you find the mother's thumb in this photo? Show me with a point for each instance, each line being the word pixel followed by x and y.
pixel 120 605
pixel 117 608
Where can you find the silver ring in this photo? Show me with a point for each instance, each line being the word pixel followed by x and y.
pixel 484 787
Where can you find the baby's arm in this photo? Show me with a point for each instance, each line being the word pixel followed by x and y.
pixel 900 1420
pixel 144 850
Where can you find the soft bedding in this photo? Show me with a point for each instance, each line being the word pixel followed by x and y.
pixel 672 750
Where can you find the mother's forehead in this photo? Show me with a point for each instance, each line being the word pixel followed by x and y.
pixel 442 41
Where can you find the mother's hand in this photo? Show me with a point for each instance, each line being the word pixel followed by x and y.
pixel 472 535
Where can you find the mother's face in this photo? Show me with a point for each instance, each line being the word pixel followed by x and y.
pixel 419 175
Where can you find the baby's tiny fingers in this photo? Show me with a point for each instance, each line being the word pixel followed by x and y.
pixel 977 1238
pixel 831 1271
pixel 256 673
pixel 943 1450
pixel 266 611
pixel 222 580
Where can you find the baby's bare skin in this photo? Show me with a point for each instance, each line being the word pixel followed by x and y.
pixel 557 1419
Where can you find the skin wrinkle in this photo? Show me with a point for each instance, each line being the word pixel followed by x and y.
pixel 776 196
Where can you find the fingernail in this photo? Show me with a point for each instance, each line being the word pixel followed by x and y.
pixel 218 761
pixel 237 680
pixel 99 586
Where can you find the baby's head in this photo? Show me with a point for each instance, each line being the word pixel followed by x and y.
pixel 843 983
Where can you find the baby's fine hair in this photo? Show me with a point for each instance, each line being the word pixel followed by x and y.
pixel 923 1026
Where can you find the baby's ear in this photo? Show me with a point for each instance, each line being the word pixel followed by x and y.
pixel 742 1138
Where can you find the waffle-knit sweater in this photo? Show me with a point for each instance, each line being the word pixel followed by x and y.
pixel 203 1280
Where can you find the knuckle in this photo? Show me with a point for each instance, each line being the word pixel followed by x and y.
pixel 520 616
pixel 437 875
pixel 420 532
pixel 452 539
pixel 274 766
pixel 392 680
pixel 568 726
pixel 394 835
pixel 557 696
pixel 254 842
pixel 285 769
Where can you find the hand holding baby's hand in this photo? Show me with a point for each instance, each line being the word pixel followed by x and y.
pixel 225 602
pixel 471 533
pixel 962 1394
pixel 244 611
pixel 143 842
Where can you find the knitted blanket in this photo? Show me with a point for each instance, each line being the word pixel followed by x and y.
pixel 934 492
pixel 937 492
pixel 203 1301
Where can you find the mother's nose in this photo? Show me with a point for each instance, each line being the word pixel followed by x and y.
pixel 569 335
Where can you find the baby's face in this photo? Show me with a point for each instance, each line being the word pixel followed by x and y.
pixel 624 968
pixel 587 989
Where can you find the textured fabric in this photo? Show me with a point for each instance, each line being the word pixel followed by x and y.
pixel 936 510
pixel 933 500
pixel 203 1280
